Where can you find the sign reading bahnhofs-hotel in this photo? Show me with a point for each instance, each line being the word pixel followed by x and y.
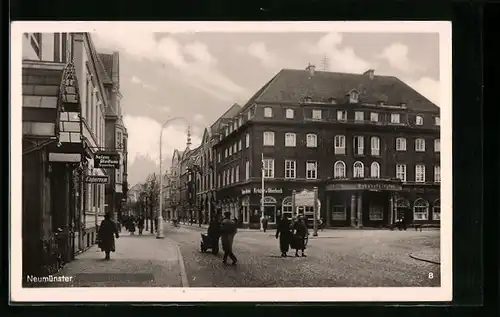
pixel 107 160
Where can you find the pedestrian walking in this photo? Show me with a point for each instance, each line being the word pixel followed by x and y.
pixel 106 236
pixel 265 222
pixel 284 234
pixel 300 234
pixel 140 224
pixel 228 231
pixel 213 233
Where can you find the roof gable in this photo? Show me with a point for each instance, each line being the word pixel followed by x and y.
pixel 230 113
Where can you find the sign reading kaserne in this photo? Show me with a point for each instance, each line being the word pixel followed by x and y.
pixel 97 179
pixel 107 160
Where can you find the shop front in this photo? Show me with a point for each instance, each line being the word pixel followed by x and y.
pixel 361 203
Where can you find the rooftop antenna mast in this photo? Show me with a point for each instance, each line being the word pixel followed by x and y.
pixel 324 63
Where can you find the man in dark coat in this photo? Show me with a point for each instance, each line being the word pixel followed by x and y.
pixel 300 235
pixel 106 235
pixel 285 235
pixel 140 224
pixel 213 234
pixel 228 231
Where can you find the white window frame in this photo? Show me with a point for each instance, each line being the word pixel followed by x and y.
pixel 353 97
pixel 268 138
pixel 422 213
pixel 395 118
pixel 359 116
pixel 419 120
pixel 419 173
pixel 240 121
pixel 225 152
pixel 339 144
pixel 360 148
pixel 247 140
pixel 436 210
pixel 341 115
pixel 237 173
pixel 375 170
pixel 290 139
pixel 311 140
pixel 375 145
pixel 437 173
pixel 437 145
pixel 311 173
pixel 339 169
pixel 401 144
pixel 224 178
pixel 374 117
pixel 437 121
pixel 290 169
pixel 317 114
pixel 268 168
pixel 289 113
pixel 218 157
pixel 401 172
pixel 239 145
pixel 420 145
pixel 230 149
pixel 358 170
pixel 268 112
pixel 247 170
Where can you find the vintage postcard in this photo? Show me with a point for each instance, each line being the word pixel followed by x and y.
pixel 231 161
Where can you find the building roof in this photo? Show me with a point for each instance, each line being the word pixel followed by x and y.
pixel 228 115
pixel 292 85
pixel 107 63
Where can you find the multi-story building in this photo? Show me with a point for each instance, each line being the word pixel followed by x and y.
pixel 133 195
pixel 174 184
pixel 116 134
pixel 63 127
pixel 370 144
pixel 206 188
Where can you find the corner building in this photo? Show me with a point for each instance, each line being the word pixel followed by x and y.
pixel 369 143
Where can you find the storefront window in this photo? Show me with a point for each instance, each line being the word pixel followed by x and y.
pixel 339 212
pixel 286 206
pixel 270 208
pixel 436 210
pixel 420 210
pixel 376 213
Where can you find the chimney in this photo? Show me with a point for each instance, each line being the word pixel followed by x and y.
pixel 370 73
pixel 311 69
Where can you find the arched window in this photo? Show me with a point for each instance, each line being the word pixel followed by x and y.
pixel 420 209
pixel 436 210
pixel 375 170
pixel 339 169
pixel 286 207
pixel 358 170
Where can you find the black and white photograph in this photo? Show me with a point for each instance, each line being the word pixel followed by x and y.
pixel 231 161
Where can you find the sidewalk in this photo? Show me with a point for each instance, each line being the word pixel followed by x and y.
pixel 138 261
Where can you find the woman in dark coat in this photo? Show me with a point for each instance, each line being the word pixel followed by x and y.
pixel 213 234
pixel 228 231
pixel 301 232
pixel 107 232
pixel 285 235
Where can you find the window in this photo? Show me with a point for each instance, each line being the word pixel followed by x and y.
pixel 119 140
pixel 420 209
pixel 437 121
pixel 341 115
pixel 359 145
pixel 290 168
pixel 218 181
pixel 287 208
pixel 290 140
pixel 395 118
pixel 359 116
pixel 375 145
pixel 437 145
pixel 268 112
pixel 311 170
pixel 401 172
pixel 247 140
pixel 289 113
pixel 359 170
pixel 420 173
pixel 339 144
pixel 225 153
pixel 240 121
pixel 419 120
pixel 233 176
pixel 339 169
pixel 374 117
pixel 375 170
pixel 268 138
pixel 235 147
pixel 239 145
pixel 316 114
pixel 247 170
pixel 268 168
pixel 437 174
pixel 376 213
pixel 339 213
pixel 436 210
pixel 311 140
pixel 230 151
pixel 249 115
pixel 400 144
pixel 227 131
pixel 353 97
pixel 420 145
pixel 218 157
pixel 224 178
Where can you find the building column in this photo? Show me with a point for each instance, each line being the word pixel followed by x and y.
pixel 353 210
pixel 390 214
pixel 328 211
pixel 360 210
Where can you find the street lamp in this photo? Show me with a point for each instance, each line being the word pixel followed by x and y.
pixel 159 232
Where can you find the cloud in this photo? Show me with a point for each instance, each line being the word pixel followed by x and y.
pixel 340 59
pixel 193 61
pixel 397 56
pixel 144 138
pixel 199 118
pixel 136 80
pixel 428 87
pixel 260 51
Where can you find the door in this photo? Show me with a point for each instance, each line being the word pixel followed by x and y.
pixel 270 212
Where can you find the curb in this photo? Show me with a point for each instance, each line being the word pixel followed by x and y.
pixel 182 267
pixel 419 258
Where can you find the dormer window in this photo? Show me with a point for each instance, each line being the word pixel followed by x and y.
pixel 316 114
pixel 307 99
pixel 437 121
pixel 333 101
pixel 268 112
pixel 289 113
pixel 419 120
pixel 353 96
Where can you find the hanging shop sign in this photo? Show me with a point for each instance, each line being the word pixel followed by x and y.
pixel 304 198
pixel 107 160
pixel 96 179
pixel 248 191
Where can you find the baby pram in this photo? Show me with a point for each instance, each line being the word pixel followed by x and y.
pixel 206 244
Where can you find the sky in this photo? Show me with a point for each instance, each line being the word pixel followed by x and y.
pixel 198 76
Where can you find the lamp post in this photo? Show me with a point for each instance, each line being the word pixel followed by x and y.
pixel 159 232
